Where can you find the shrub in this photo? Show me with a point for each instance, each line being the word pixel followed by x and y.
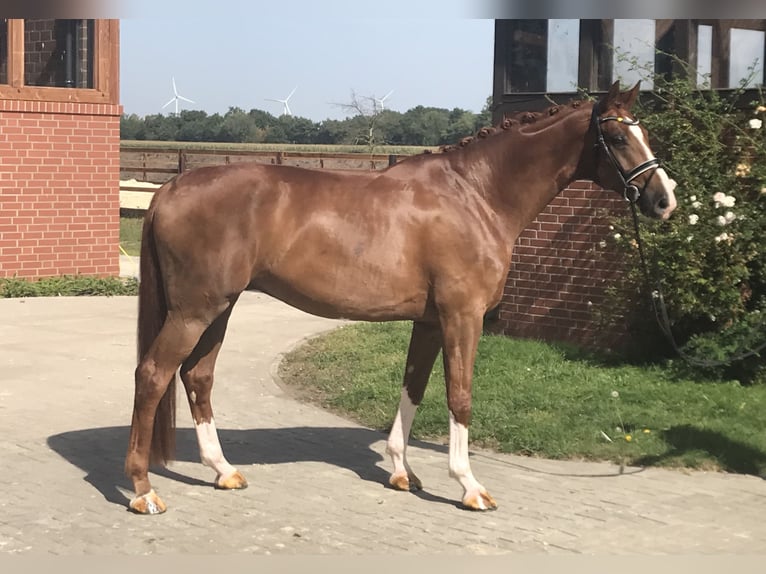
pixel 710 257
pixel 67 285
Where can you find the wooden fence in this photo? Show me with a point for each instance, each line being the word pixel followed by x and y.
pixel 158 165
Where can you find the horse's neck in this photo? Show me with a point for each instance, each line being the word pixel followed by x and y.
pixel 526 170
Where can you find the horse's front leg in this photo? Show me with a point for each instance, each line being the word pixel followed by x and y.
pixel 425 343
pixel 461 333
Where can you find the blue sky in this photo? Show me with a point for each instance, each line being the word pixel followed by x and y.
pixel 435 57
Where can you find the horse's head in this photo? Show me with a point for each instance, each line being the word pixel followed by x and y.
pixel 624 161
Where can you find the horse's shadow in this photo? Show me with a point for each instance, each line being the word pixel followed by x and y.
pixel 730 455
pixel 99 452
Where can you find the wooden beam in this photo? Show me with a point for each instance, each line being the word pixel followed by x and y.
pixel 685 41
pixel 114 61
pixel 107 59
pixel 744 24
pixel 498 78
pixel 721 54
pixel 605 55
pixel 586 66
pixel 15 53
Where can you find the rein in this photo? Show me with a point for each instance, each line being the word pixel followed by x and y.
pixel 632 193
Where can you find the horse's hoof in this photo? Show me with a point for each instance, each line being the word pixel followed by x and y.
pixel 406 482
pixel 148 503
pixel 234 481
pixel 479 500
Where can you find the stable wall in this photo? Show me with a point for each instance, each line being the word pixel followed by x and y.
pixel 560 270
pixel 59 188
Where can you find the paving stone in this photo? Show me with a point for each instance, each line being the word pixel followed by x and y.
pixel 317 481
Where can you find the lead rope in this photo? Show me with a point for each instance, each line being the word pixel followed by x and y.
pixel 661 312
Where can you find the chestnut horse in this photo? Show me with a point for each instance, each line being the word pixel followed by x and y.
pixel 428 240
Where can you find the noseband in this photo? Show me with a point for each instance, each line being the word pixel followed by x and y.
pixel 630 192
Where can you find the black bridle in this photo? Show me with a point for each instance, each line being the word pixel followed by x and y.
pixel 630 192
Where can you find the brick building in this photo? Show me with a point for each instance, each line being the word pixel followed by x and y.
pixel 59 147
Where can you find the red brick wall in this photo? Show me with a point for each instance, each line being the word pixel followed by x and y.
pixel 59 189
pixel 561 266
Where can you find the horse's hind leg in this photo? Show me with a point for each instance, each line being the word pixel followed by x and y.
pixel 424 346
pixel 197 376
pixel 153 375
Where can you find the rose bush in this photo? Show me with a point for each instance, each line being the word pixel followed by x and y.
pixel 710 257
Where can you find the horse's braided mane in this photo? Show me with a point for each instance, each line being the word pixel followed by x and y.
pixel 509 122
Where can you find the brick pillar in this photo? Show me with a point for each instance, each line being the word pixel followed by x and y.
pixel 59 189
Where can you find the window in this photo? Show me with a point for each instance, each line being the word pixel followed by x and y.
pixel 539 59
pixel 542 56
pixel 58 60
pixel 704 55
pixel 746 58
pixel 527 56
pixel 58 53
pixel 563 55
pixel 634 52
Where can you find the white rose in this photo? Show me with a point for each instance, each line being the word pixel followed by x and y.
pixel 693 219
pixel 755 124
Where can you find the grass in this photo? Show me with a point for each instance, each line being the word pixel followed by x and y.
pixel 302 148
pixel 130 234
pixel 543 400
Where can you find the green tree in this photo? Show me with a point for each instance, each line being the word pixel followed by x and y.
pixel 132 127
pixel 425 126
pixel 461 123
pixel 237 126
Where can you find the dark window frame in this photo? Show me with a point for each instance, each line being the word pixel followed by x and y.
pixel 595 57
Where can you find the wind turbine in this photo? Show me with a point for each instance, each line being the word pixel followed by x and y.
pixel 383 99
pixel 176 97
pixel 286 108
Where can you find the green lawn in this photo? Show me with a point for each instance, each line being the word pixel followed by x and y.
pixel 543 400
pixel 130 234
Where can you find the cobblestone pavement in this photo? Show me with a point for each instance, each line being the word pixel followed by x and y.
pixel 316 480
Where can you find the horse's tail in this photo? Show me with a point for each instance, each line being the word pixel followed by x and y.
pixel 152 311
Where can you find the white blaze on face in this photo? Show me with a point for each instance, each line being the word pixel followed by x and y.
pixel 669 185
pixel 210 449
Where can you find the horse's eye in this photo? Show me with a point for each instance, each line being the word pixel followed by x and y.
pixel 619 140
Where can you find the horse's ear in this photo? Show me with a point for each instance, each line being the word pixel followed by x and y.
pixel 629 98
pixel 613 94
pixel 608 99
